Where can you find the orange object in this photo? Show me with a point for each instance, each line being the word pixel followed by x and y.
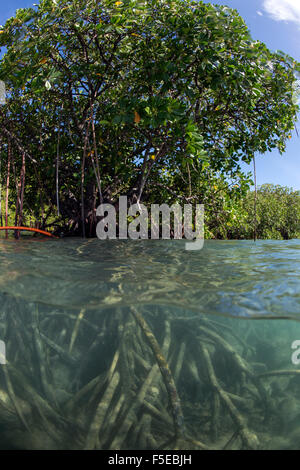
pixel 36 230
pixel 137 117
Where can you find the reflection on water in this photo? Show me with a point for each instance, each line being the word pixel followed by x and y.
pixel 143 345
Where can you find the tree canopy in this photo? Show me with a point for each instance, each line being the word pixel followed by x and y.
pixel 150 99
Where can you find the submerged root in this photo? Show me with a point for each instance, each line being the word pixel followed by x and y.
pixel 249 439
pixel 118 380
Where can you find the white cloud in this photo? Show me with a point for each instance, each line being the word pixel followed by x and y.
pixel 283 10
pixel 259 13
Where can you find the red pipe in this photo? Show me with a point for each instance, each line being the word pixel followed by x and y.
pixel 36 230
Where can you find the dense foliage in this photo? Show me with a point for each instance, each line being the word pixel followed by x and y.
pixel 277 215
pixel 158 100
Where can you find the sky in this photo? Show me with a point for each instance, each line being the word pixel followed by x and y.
pixel 277 24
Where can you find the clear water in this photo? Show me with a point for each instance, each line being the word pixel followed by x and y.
pixel 90 327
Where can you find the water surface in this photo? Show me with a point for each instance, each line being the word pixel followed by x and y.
pixel 239 278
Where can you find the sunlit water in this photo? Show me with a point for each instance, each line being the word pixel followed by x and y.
pixel 81 372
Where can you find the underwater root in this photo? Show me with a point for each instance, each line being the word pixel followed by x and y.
pixel 118 380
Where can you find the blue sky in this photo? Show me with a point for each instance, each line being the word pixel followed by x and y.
pixel 277 24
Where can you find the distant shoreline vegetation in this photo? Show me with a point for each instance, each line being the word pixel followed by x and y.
pixel 278 215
